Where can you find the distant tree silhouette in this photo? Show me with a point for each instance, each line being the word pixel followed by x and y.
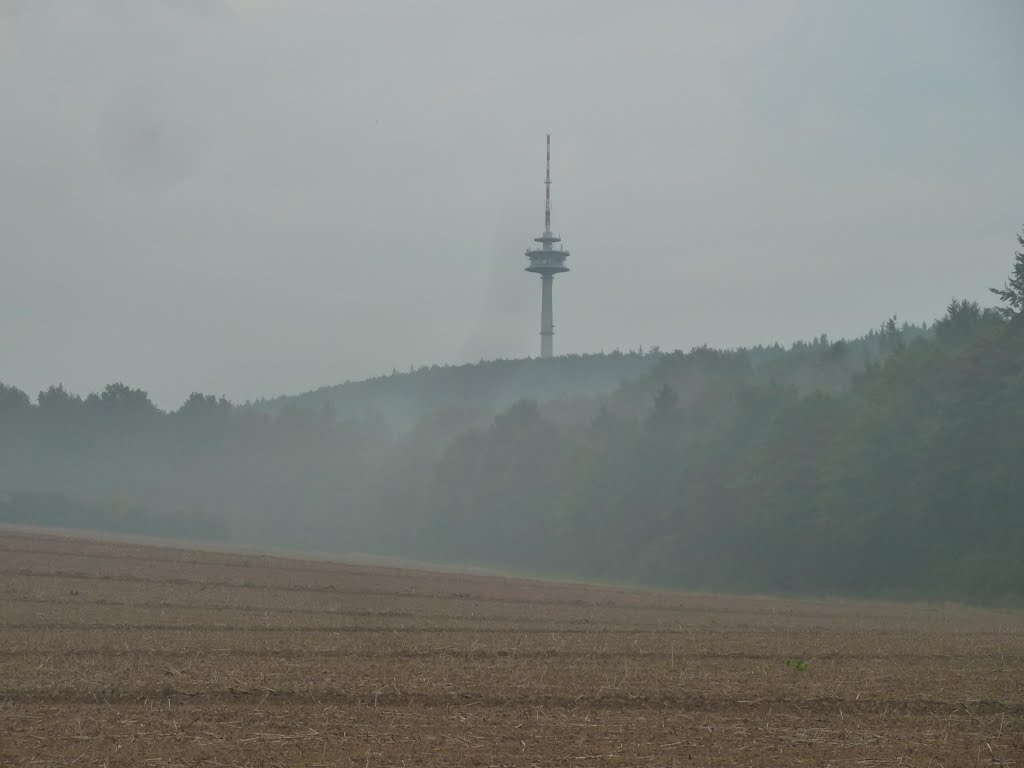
pixel 664 409
pixel 13 399
pixel 1012 292
pixel 121 396
pixel 58 401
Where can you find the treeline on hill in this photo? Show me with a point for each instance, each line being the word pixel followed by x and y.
pixel 888 465
pixel 402 399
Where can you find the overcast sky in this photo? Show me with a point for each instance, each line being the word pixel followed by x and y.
pixel 259 197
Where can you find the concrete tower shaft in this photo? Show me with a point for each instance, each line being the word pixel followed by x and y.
pixel 547 261
pixel 547 320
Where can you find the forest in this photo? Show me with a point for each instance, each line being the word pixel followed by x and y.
pixel 887 465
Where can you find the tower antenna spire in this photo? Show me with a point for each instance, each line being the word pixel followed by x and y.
pixel 547 191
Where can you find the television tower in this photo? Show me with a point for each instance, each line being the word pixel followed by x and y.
pixel 547 261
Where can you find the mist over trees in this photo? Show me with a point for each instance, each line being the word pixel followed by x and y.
pixel 885 465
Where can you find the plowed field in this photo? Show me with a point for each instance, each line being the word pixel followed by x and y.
pixel 127 654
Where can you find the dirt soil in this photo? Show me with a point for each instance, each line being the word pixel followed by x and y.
pixel 116 653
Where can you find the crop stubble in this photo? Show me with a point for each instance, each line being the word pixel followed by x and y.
pixel 124 654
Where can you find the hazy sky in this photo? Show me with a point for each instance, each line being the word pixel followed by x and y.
pixel 259 197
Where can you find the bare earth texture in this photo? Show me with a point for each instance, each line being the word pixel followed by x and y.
pixel 127 654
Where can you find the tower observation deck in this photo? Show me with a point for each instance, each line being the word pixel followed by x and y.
pixel 547 260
